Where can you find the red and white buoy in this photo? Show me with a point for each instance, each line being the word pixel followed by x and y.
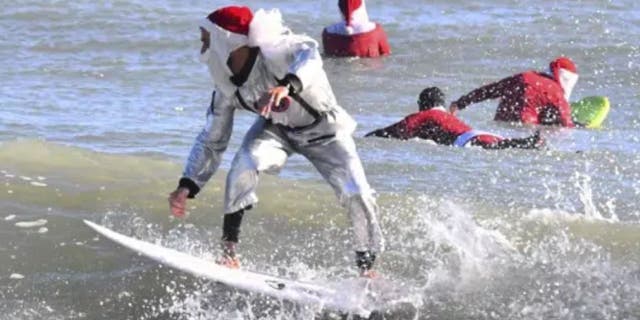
pixel 356 36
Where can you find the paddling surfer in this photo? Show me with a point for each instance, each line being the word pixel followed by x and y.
pixel 434 123
pixel 530 97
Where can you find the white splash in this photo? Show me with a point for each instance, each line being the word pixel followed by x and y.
pixel 550 216
pixel 473 252
pixel 586 197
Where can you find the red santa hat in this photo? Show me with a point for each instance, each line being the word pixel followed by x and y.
pixel 242 27
pixel 354 13
pixel 566 73
pixel 348 7
pixel 562 63
pixel 230 24
pixel 233 18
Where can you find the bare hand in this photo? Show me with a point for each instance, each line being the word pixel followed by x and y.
pixel 275 97
pixel 453 108
pixel 178 202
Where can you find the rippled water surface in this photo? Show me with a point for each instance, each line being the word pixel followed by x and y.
pixel 100 102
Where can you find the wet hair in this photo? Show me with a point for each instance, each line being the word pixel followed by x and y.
pixel 430 98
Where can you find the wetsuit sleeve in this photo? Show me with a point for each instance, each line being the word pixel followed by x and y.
pixel 565 114
pixel 397 130
pixel 491 91
pixel 306 64
pixel 209 145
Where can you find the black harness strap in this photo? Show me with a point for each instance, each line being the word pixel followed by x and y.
pixel 244 103
pixel 240 78
pixel 307 107
pixel 317 116
pixel 320 138
pixel 213 101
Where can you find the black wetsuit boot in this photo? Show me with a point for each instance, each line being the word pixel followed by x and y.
pixel 230 232
pixel 531 142
pixel 231 226
pixel 365 260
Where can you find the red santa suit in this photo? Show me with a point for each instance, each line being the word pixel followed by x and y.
pixel 356 36
pixel 530 97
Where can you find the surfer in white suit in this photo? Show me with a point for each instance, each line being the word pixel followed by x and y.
pixel 260 66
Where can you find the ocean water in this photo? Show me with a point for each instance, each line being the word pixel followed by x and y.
pixel 100 102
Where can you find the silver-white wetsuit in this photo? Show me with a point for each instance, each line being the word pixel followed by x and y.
pixel 310 123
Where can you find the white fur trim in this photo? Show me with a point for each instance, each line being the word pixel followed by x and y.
pixel 567 81
pixel 349 29
pixel 342 28
pixel 266 28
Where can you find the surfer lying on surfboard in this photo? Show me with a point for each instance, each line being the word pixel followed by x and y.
pixel 434 123
pixel 259 65
pixel 530 97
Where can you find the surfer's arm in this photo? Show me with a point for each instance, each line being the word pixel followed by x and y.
pixel 305 64
pixel 491 91
pixel 209 146
pixel 382 133
pixel 397 130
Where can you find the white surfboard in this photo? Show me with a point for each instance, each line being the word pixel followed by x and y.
pixel 291 290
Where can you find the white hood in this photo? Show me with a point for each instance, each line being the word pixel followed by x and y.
pixel 222 43
pixel 265 31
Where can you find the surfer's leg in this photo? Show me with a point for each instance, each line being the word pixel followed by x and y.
pixel 230 233
pixel 262 150
pixel 534 141
pixel 338 162
pixel 231 228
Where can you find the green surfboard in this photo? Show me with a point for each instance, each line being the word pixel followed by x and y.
pixel 590 111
